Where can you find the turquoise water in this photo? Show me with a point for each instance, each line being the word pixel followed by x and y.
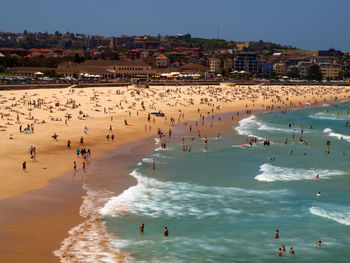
pixel 224 204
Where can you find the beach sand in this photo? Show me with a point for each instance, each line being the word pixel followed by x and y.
pixel 37 214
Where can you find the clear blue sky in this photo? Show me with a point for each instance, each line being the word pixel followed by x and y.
pixel 306 24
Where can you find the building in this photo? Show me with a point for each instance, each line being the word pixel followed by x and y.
pixel 330 71
pixel 266 68
pixel 144 54
pixel 241 46
pixel 330 53
pixel 162 61
pixel 247 61
pixel 112 42
pixel 214 65
pixel 302 67
pixel 280 69
pixel 228 64
pixel 102 68
pixel 28 71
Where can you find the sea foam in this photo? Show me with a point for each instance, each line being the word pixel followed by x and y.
pixel 247 126
pixel 337 135
pixel 272 173
pixel 329 116
pixel 335 213
pixel 154 198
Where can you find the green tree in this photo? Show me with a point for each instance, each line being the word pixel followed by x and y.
pixel 314 72
pixel 293 73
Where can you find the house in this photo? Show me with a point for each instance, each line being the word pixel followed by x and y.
pixel 280 69
pixel 162 61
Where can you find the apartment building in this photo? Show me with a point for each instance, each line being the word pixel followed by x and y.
pixel 214 65
pixel 247 61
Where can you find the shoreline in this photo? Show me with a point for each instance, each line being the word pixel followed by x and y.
pixel 103 151
pixel 181 129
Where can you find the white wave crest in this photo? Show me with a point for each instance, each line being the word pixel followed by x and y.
pixel 329 116
pixel 342 216
pixel 272 173
pixel 154 198
pixel 339 136
pixel 247 125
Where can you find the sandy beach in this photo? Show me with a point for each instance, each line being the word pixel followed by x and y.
pixel 30 197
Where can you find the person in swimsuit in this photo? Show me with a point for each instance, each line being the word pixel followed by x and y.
pixel 291 251
pixel 280 252
pixel 142 227
pixel 276 234
pixel 166 232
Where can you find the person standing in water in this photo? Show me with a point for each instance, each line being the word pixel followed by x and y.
pixel 276 234
pixel 166 232
pixel 142 227
pixel 291 251
pixel 280 252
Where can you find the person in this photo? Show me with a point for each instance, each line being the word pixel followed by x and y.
pixel 75 166
pixel 154 165
pixel 283 248
pixel 317 177
pixel 291 251
pixel 24 166
pixel 276 234
pixel 280 252
pixel 142 227
pixel 55 136
pixel 320 243
pixel 84 166
pixel 68 144
pixel 78 152
pixel 318 194
pixel 166 232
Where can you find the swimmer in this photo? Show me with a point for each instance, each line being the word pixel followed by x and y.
pixel 320 243
pixel 280 252
pixel 142 227
pixel 291 251
pixel 317 177
pixel 276 234
pixel 318 194
pixel 166 232
pixel 283 248
pixel 154 165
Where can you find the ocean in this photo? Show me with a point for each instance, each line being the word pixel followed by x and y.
pixel 224 203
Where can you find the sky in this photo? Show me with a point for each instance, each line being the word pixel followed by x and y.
pixel 305 24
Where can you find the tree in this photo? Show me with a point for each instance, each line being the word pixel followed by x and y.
pixel 293 73
pixel 314 72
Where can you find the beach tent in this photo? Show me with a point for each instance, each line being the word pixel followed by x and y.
pixel 38 73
